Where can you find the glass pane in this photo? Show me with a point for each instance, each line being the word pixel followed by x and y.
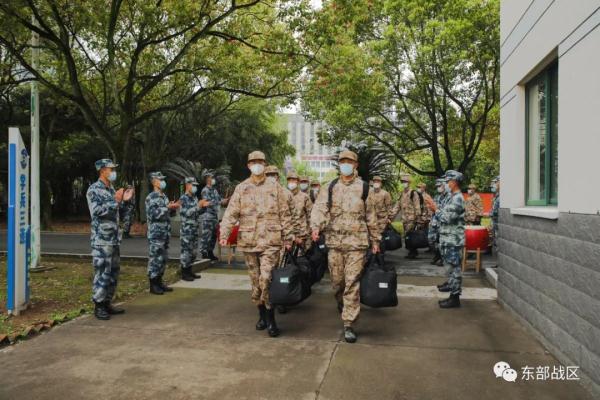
pixel 554 134
pixel 537 141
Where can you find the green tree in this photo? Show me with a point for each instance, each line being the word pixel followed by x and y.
pixel 428 73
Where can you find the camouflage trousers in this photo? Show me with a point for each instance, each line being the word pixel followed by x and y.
pixel 495 235
pixel 345 269
pixel 158 255
pixel 209 235
pixel 127 221
pixel 452 256
pixel 106 261
pixel 189 245
pixel 433 234
pixel 260 266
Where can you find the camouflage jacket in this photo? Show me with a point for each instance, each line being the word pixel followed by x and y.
pixel 425 214
pixel 440 200
pixel 496 208
pixel 473 208
pixel 263 212
pixel 409 207
pixel 158 215
pixel 350 224
pixel 452 221
pixel 382 201
pixel 189 212
pixel 301 209
pixel 212 211
pixel 105 213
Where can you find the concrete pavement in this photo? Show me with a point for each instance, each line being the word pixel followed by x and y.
pixel 201 344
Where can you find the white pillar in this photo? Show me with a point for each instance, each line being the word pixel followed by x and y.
pixel 35 154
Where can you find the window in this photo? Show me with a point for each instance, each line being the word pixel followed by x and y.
pixel 542 138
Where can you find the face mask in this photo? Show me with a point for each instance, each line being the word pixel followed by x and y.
pixel 292 185
pixel 112 176
pixel 162 185
pixel 441 189
pixel 493 187
pixel 213 182
pixel 377 185
pixel 471 191
pixel 257 169
pixel 447 187
pixel 194 189
pixel 271 179
pixel 346 169
pixel 303 186
pixel 420 190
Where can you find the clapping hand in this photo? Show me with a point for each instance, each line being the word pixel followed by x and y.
pixel 204 203
pixel 128 194
pixel 315 235
pixel 173 205
pixel 119 195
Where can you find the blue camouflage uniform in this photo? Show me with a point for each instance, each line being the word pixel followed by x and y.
pixel 495 213
pixel 159 232
pixel 188 233
pixel 433 233
pixel 452 238
pixel 105 240
pixel 210 218
pixel 128 214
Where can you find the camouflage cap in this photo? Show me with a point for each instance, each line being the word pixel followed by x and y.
pixel 304 179
pixel 271 170
pixel 256 155
pixel 206 174
pixel 405 177
pixel 472 186
pixel 440 181
pixel 348 154
pixel 452 175
pixel 157 175
pixel 190 179
pixel 377 178
pixel 292 175
pixel 315 183
pixel 105 163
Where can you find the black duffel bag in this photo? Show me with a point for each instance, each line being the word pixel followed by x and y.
pixel 317 258
pixel 289 282
pixel 391 239
pixel 417 239
pixel 378 285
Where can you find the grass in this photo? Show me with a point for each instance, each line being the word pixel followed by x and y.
pixel 64 292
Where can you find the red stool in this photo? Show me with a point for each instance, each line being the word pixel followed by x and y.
pixel 231 242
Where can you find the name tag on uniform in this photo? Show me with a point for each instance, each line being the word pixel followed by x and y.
pixel 383 285
pixel 284 279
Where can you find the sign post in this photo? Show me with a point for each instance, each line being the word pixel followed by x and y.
pixel 19 232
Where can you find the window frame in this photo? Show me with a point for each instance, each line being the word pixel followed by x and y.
pixel 548 199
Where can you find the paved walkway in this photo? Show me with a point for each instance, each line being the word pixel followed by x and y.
pixel 199 343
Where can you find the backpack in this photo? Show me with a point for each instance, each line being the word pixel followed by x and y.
pixel 365 192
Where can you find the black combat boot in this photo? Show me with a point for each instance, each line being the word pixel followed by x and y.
pixel 440 261
pixel 163 286
pixel 451 302
pixel 187 275
pixel 155 287
pixel 436 257
pixel 272 328
pixel 211 256
pixel 261 325
pixel 100 311
pixel 443 287
pixel 204 255
pixel 113 310
pixel 349 334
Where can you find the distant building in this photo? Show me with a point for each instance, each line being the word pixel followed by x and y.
pixel 302 134
pixel 549 240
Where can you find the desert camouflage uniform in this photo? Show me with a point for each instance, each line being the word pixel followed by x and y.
pixel 210 218
pixel 265 223
pixel 473 209
pixel 188 232
pixel 301 209
pixel 424 217
pixel 105 240
pixel 349 227
pixel 409 207
pixel 452 238
pixel 433 234
pixel 159 232
pixel 382 201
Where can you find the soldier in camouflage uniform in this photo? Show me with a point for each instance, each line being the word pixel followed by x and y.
pixel 452 237
pixel 209 215
pixel 158 210
pixel 128 214
pixel 473 207
pixel 425 216
pixel 350 226
pixel 304 184
pixel 495 211
pixel 383 203
pixel 301 209
pixel 262 209
pixel 433 234
pixel 315 187
pixel 409 206
pixel 188 233
pixel 105 206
